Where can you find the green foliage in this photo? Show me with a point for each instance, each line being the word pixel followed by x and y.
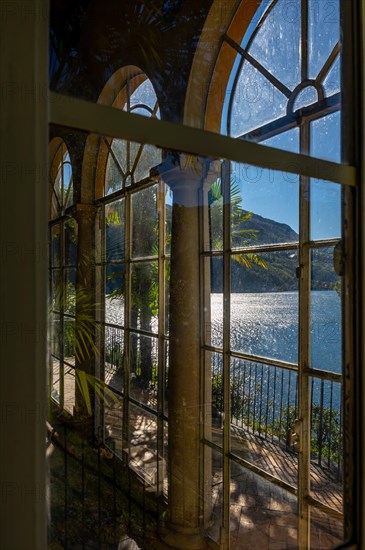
pixel 79 340
pixel 113 218
pixel 79 337
pixel 84 380
pixel 239 236
pixel 326 437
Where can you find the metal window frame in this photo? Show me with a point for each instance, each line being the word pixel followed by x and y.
pixel 100 119
pixel 126 193
pixel 104 120
pixel 306 374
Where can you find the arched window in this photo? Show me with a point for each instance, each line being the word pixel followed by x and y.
pixel 273 316
pixel 128 162
pixel 286 74
pixel 132 272
pixel 61 183
pixel 63 260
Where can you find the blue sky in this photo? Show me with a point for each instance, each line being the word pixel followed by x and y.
pixel 277 47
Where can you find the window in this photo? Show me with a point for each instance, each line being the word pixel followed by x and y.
pixel 132 274
pixel 63 262
pixel 247 415
pixel 273 299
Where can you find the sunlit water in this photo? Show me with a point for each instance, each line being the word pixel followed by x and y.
pixel 267 325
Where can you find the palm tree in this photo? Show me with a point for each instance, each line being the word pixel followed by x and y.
pixel 240 236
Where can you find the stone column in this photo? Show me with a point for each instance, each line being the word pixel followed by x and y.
pixel 85 305
pixel 184 526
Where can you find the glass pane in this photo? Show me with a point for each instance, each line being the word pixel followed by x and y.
pixel 120 150
pixel 213 429
pixel 69 389
pixel 56 379
pixel 326 443
pixel 56 290
pixel 215 204
pixel 144 95
pixel 168 218
pixel 213 472
pixel 167 297
pixel 144 369
pixel 69 295
pixel 58 188
pixel 264 405
pixel 306 97
pixel 114 174
pixel 70 344
pixel 264 206
pixel 113 357
pixel 277 43
pixel 326 137
pixel 54 334
pixel 113 421
pixel 332 82
pixel 324 32
pixel 148 157
pixel 67 182
pixel 255 102
pixel 326 312
pixel 326 470
pixel 145 223
pixel 70 228
pixel 325 210
pixel 114 231
pixel 262 515
pixel 166 379
pixel 143 444
pixel 288 141
pixel 213 308
pixel 163 462
pixel 114 294
pixel 55 245
pixel 144 296
pixel 326 531
pixel 264 304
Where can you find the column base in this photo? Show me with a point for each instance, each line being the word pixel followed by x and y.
pixel 182 538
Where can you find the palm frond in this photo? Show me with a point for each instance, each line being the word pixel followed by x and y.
pixel 248 259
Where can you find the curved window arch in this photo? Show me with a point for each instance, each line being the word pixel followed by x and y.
pixel 132 268
pixel 286 70
pixel 61 179
pixel 63 239
pixel 283 90
pixel 126 162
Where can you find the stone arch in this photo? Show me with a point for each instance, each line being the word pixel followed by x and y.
pixel 213 62
pixel 114 94
pixel 57 150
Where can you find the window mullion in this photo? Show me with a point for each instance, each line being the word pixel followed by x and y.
pixel 161 372
pixel 102 119
pixel 62 314
pixel 269 76
pixel 304 353
pixel 127 320
pixel 304 40
pixel 225 178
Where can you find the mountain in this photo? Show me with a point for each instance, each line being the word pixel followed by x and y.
pixel 280 275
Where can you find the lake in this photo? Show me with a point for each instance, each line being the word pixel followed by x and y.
pixel 266 324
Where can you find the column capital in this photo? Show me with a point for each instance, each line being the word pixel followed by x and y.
pixel 181 170
pixel 185 175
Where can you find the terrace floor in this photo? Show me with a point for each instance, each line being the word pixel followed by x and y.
pixel 263 515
